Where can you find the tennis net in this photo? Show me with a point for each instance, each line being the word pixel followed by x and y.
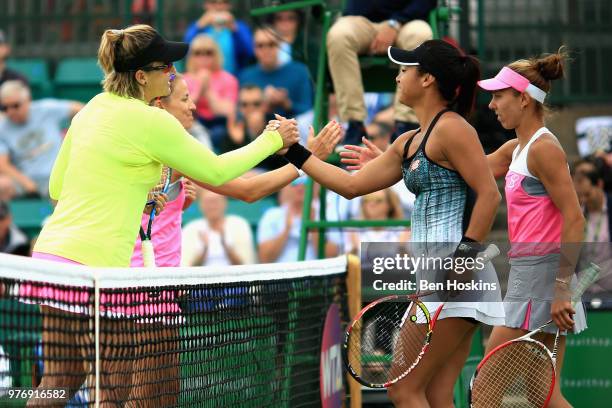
pixel 243 336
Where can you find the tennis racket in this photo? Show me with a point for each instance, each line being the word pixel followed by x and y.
pixel 148 253
pixel 389 336
pixel 521 372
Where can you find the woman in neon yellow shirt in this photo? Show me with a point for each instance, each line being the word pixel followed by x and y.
pixel 115 146
pixel 111 156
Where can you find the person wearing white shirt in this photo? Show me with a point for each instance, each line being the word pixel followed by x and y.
pixel 218 239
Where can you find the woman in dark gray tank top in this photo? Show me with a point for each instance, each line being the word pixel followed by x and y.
pixel 439 165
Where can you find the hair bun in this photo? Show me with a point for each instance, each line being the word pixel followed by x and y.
pixel 551 66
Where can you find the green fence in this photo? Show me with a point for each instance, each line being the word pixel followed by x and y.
pixel 506 30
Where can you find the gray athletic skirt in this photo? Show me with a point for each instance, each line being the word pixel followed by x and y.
pixel 530 293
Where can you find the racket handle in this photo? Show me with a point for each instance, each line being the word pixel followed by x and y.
pixel 589 276
pixel 148 254
pixel 490 252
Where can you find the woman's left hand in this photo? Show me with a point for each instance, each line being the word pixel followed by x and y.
pixel 325 142
pixel 357 156
pixel 160 200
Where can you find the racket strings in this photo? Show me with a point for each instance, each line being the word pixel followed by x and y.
pixel 519 375
pixel 387 341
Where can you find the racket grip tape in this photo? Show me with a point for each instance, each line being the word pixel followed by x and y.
pixel 148 254
pixel 490 252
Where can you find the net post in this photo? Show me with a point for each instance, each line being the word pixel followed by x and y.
pixel 353 288
pixel 97 335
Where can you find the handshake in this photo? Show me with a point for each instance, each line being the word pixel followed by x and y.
pixel 321 146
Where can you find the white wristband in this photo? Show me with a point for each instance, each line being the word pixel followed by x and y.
pixel 301 172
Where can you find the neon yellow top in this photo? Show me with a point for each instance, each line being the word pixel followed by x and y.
pixel 109 160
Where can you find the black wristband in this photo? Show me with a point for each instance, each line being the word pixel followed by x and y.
pixel 297 155
pixel 467 248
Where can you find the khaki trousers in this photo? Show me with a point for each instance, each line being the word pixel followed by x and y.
pixel 350 37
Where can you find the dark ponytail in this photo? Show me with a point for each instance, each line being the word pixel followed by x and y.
pixel 469 76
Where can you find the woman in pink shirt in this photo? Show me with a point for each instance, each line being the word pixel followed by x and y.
pixel 166 229
pixel 545 223
pixel 214 90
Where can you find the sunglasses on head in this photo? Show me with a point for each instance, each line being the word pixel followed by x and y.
pixel 206 53
pixel 270 44
pixel 8 107
pixel 246 104
pixel 165 68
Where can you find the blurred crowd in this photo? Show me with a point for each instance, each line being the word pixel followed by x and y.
pixel 238 76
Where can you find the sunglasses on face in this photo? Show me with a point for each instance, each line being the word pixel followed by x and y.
pixel 270 44
pixel 10 106
pixel 203 53
pixel 164 68
pixel 376 200
pixel 289 17
pixel 246 104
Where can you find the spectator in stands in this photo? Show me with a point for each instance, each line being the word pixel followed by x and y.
pixel 7 74
pixel 369 27
pixel 286 24
pixel 287 89
pixel 588 177
pixel 233 36
pixel 214 90
pixel 380 205
pixel 12 239
pixel 380 134
pixel 596 203
pixel 30 138
pixel 278 232
pixel 221 239
pixel 252 118
pixel 295 43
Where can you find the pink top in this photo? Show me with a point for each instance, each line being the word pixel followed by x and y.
pixel 533 218
pixel 223 84
pixel 165 234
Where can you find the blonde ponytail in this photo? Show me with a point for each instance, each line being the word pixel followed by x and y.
pixel 122 44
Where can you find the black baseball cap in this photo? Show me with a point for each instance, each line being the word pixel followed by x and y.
pixel 157 50
pixel 420 56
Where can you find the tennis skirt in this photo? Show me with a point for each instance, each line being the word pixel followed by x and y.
pixel 530 294
pixel 485 306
